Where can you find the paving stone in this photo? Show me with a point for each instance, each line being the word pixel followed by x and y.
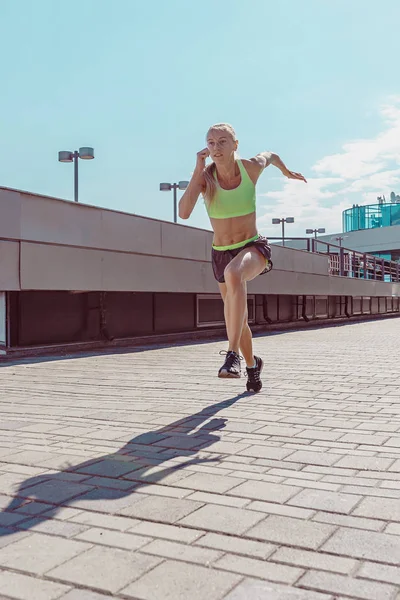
pixel 395 467
pixel 276 430
pixel 367 491
pixel 380 572
pixel 260 490
pixel 236 545
pixel 80 594
pixel 281 509
pixel 259 568
pixel 32 508
pixel 64 461
pixel 10 519
pixel 348 481
pixel 176 551
pixel 365 544
pixel 314 560
pixel 261 590
pixel 248 475
pixel 295 532
pixel 314 458
pixel 206 497
pixel 372 463
pixel 119 539
pixel 379 508
pixel 106 521
pixel 9 536
pixel 395 485
pixel 358 588
pixel 161 490
pixel 29 457
pixel 323 500
pixel 108 569
pixel 23 587
pixel 170 581
pixel 156 508
pixel 108 482
pixel 349 521
pixel 15 468
pixel 331 471
pixel 9 482
pixel 52 527
pixel 108 468
pixel 164 475
pixel 319 434
pixel 374 426
pixel 105 500
pixel 363 438
pixel 393 528
pixel 285 473
pixel 266 452
pixel 169 532
pixel 38 553
pixel 205 482
pixel 278 464
pixel 223 519
pixel 61 513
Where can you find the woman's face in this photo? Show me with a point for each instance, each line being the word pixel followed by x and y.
pixel 221 145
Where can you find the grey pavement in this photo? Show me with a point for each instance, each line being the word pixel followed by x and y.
pixel 141 475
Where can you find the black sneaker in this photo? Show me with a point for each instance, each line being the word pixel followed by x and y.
pixel 231 366
pixel 253 376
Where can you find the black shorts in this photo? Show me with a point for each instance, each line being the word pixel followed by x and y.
pixel 222 258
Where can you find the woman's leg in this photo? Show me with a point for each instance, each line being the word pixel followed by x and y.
pixel 243 268
pixel 246 340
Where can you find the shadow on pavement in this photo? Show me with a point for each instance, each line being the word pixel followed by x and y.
pixel 134 466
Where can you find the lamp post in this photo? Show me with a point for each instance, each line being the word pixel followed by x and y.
pixel 315 231
pixel 167 187
pixel 65 156
pixel 283 221
pixel 340 239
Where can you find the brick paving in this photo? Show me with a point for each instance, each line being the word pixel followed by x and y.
pixel 141 475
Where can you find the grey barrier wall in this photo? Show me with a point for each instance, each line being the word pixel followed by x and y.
pixel 72 273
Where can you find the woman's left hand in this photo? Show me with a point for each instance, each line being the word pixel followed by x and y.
pixel 293 175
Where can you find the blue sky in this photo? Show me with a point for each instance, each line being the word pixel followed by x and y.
pixel 315 81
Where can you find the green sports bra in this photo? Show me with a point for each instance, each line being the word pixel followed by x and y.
pixel 233 203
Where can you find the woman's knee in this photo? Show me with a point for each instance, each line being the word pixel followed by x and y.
pixel 233 277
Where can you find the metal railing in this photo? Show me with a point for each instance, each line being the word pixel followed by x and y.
pixel 345 262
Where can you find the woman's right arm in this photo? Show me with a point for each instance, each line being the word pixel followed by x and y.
pixel 195 187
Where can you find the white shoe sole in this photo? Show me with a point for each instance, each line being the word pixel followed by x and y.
pixel 225 375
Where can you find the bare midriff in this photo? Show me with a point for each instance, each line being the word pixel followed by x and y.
pixel 234 229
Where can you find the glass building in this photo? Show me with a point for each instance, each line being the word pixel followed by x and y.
pixel 371 216
pixel 376 216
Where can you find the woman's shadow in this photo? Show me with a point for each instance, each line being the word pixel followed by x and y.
pixel 133 466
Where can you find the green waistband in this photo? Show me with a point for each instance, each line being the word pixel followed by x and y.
pixel 237 245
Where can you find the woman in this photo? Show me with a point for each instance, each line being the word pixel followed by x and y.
pixel 239 254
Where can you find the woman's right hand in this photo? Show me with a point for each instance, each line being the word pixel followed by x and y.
pixel 201 159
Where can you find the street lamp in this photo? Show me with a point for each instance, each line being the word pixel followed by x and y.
pixel 315 231
pixel 283 221
pixel 167 187
pixel 85 153
pixel 340 239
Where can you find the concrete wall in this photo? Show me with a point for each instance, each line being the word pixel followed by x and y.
pixel 51 244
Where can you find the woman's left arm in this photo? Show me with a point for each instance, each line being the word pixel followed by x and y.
pixel 264 159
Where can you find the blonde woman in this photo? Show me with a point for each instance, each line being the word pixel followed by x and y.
pixel 239 253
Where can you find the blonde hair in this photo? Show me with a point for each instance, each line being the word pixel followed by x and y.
pixel 209 171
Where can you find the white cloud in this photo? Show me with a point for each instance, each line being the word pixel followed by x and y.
pixel 376 182
pixel 363 170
